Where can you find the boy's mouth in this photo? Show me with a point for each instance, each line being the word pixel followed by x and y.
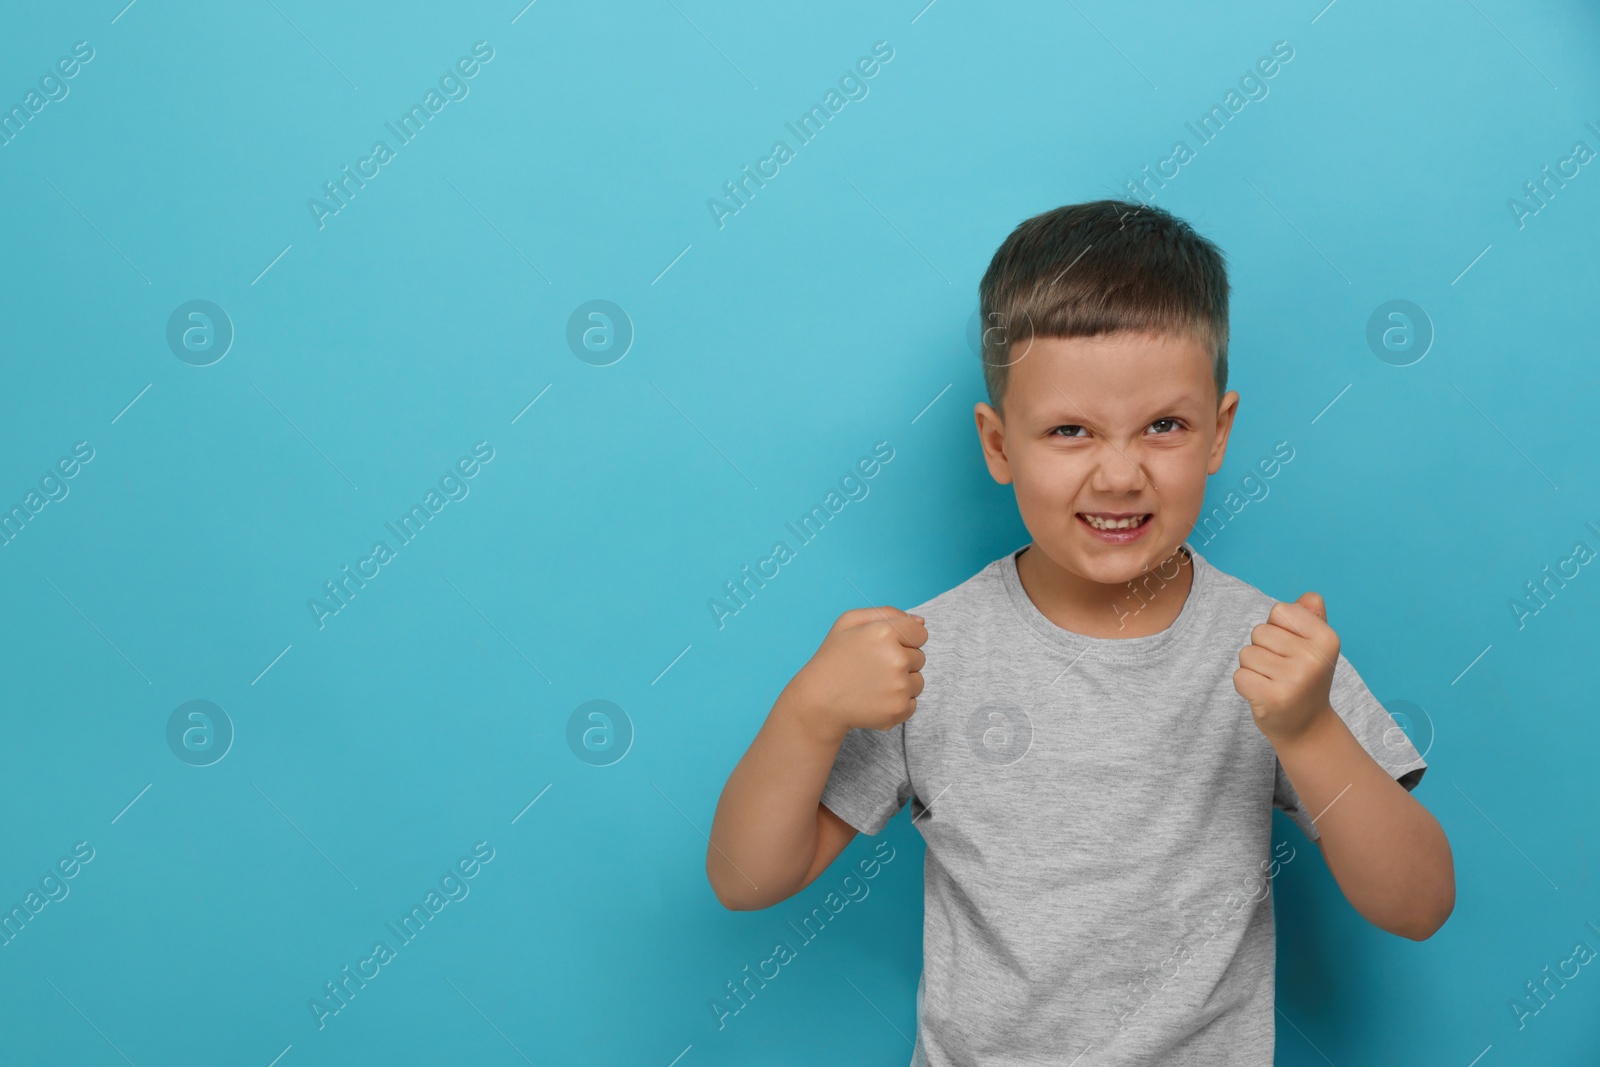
pixel 1113 520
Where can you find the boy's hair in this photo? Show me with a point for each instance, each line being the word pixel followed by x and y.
pixel 1101 267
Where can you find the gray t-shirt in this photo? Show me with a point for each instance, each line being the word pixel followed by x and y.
pixel 1098 818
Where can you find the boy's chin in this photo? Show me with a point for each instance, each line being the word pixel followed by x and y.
pixel 1110 564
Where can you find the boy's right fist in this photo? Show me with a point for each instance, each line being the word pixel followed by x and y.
pixel 867 673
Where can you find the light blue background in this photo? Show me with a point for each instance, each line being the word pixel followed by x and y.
pixel 775 351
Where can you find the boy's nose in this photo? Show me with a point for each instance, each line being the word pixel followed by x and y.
pixel 1119 470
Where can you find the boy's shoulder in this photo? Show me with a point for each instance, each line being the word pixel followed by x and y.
pixel 1228 607
pixel 969 599
pixel 1230 591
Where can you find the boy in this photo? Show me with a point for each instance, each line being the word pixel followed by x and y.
pixel 1093 765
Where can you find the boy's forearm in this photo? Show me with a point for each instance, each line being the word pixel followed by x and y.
pixel 764 834
pixel 1386 851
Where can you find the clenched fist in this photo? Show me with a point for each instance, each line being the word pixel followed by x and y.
pixel 866 674
pixel 1286 672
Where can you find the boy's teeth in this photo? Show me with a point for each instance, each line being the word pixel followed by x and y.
pixel 1118 524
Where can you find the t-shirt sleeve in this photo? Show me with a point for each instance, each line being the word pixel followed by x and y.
pixel 870 781
pixel 1373 726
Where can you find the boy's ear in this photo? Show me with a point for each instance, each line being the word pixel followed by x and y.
pixel 1219 446
pixel 992 436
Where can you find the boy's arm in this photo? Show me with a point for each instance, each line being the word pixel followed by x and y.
pixel 771 817
pixel 1386 851
pixel 1388 854
pixel 771 835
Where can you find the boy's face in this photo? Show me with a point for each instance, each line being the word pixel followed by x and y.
pixel 1119 424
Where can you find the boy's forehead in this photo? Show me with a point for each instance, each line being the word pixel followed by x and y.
pixel 1111 373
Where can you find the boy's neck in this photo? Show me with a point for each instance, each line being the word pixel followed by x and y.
pixel 1147 605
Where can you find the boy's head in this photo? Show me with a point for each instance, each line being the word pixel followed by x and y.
pixel 1105 356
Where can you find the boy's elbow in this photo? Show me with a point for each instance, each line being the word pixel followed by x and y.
pixel 1433 905
pixel 735 893
pixel 1422 929
pixel 735 902
pixel 730 900
pixel 1428 921
pixel 723 893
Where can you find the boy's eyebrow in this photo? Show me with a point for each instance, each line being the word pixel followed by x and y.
pixel 1064 412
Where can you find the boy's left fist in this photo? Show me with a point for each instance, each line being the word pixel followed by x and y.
pixel 1286 672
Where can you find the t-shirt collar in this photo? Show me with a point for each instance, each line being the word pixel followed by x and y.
pixel 1115 648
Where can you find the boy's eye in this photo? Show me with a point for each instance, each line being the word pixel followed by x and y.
pixel 1066 430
